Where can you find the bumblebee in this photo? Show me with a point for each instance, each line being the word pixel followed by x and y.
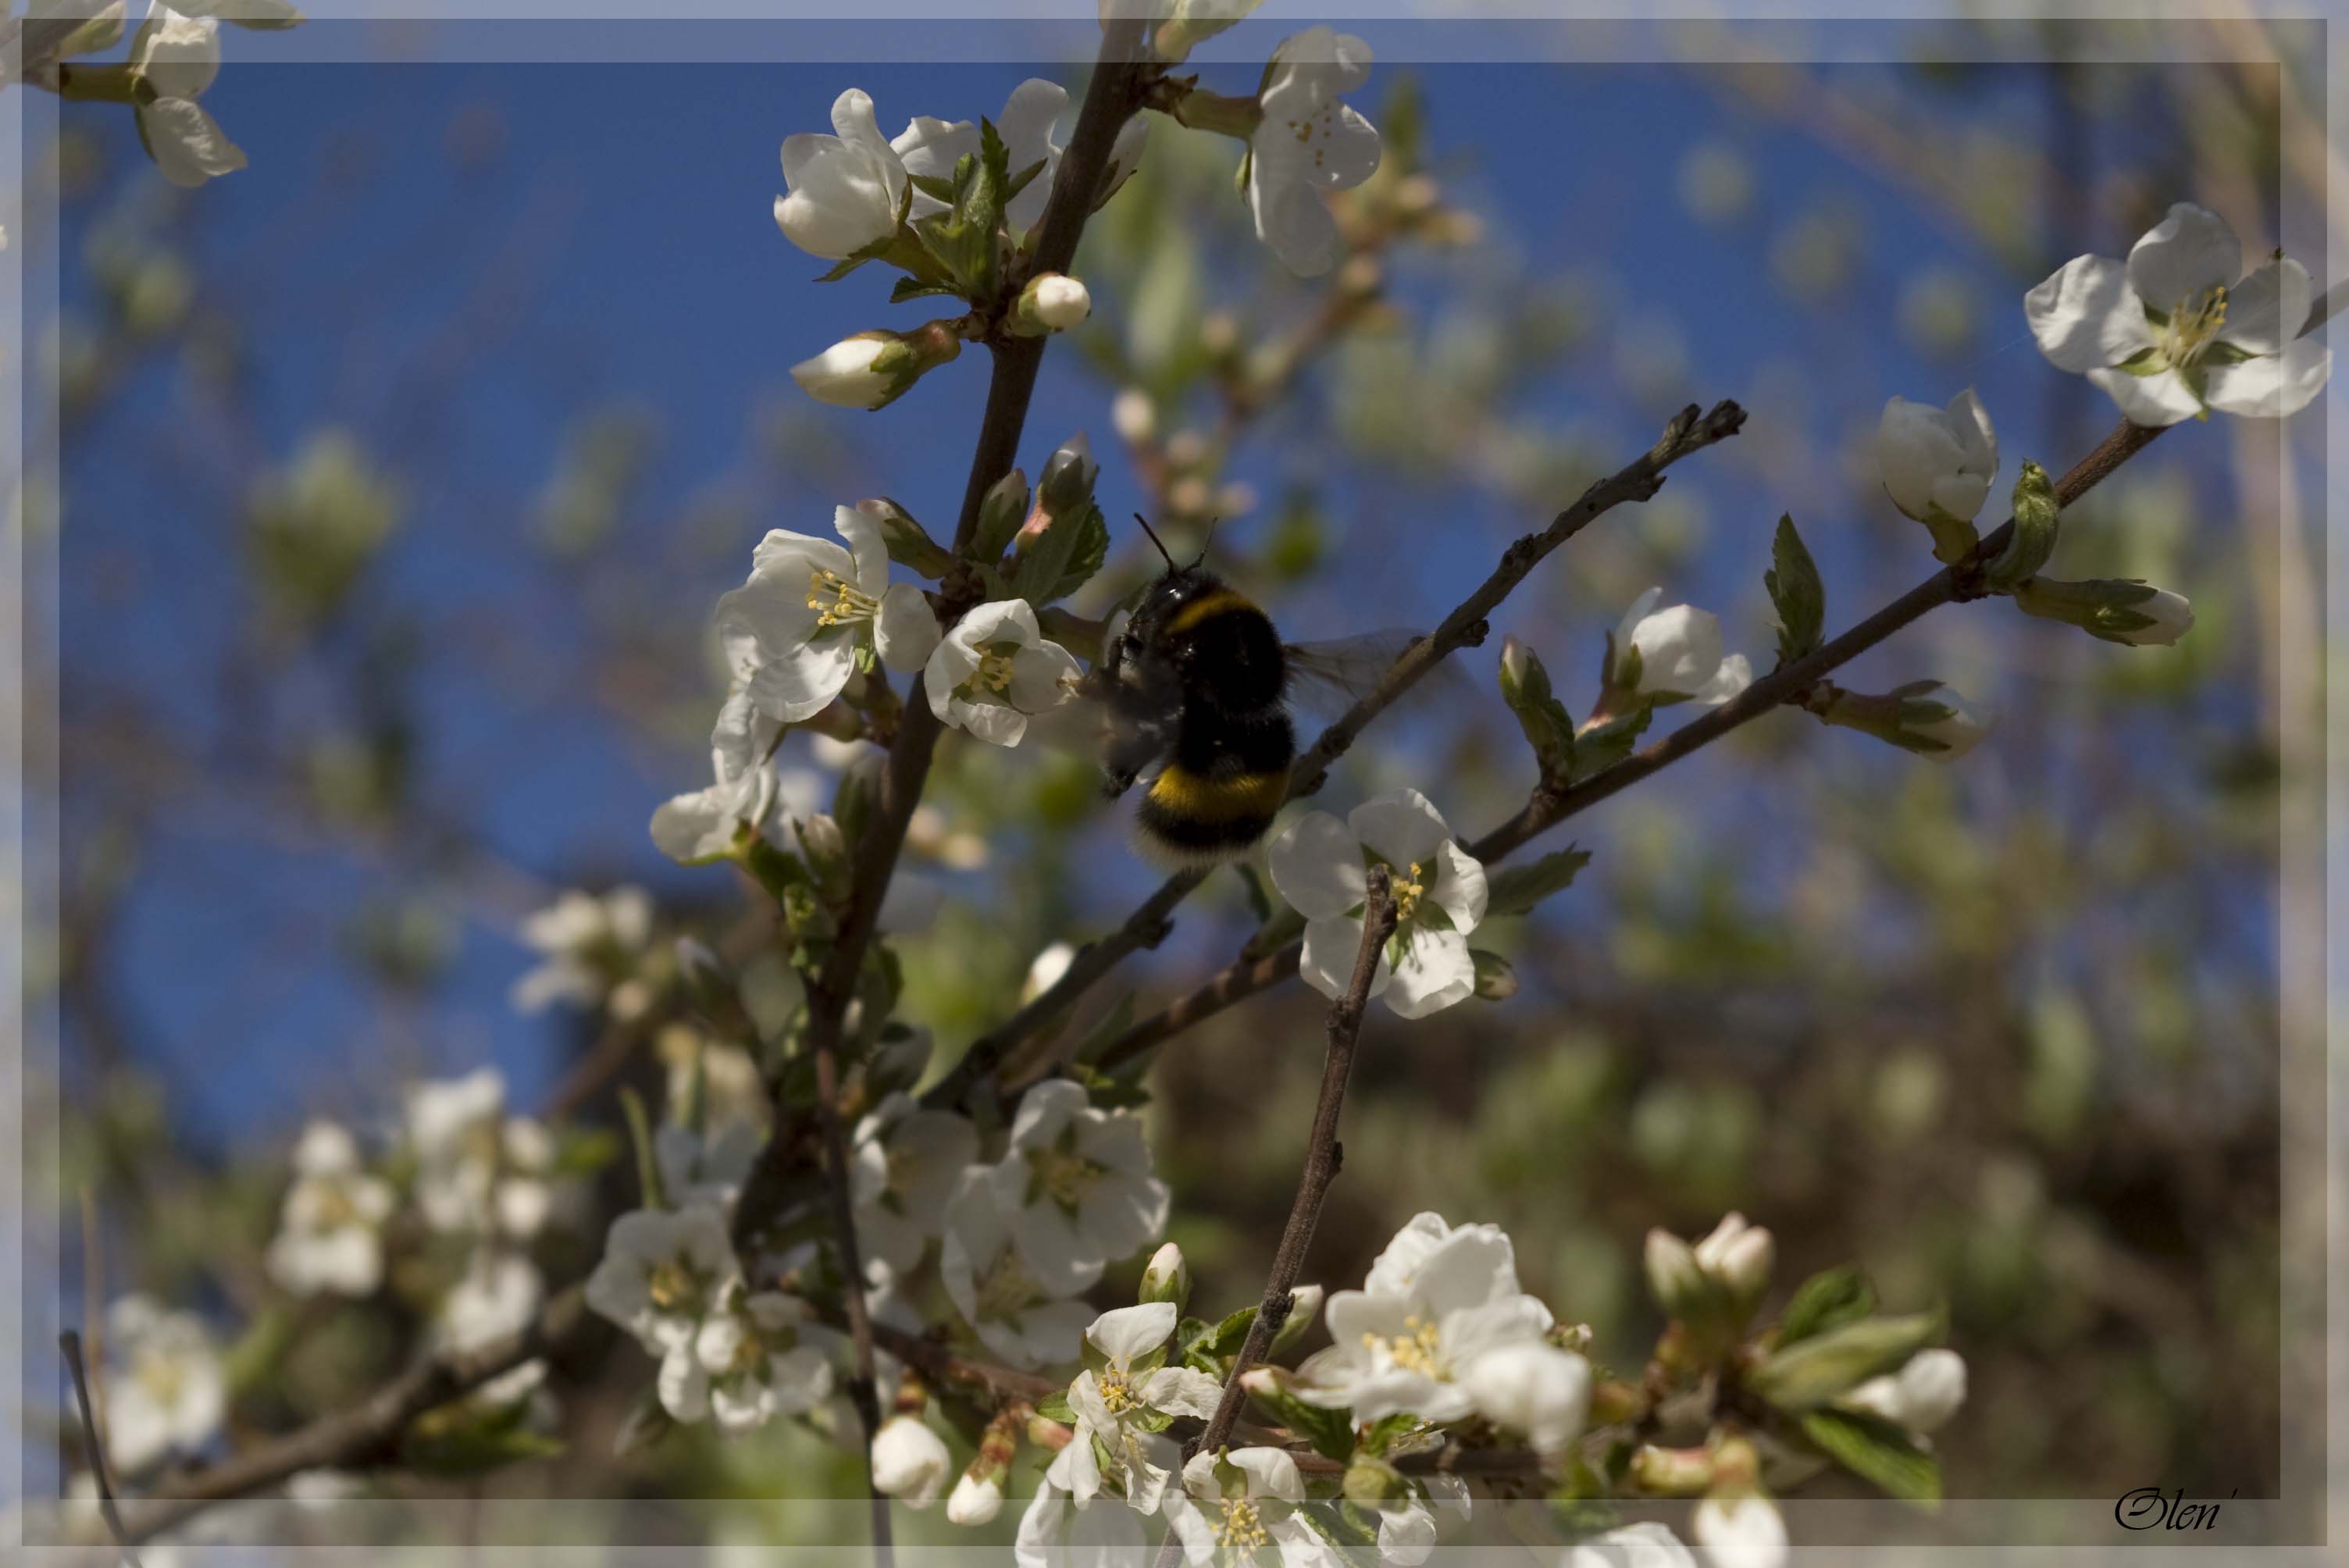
pixel 1195 695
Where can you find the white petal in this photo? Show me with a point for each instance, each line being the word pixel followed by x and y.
pixel 1327 963
pixel 2085 315
pixel 1042 677
pixel 2190 251
pixel 1128 1333
pixel 1291 218
pixel 1435 972
pixel 1734 676
pixel 905 632
pixel 188 148
pixel 694 830
pixel 2273 386
pixel 1317 864
pixel 2154 400
pixel 1460 888
pixel 1402 827
pixel 2267 309
pixel 179 56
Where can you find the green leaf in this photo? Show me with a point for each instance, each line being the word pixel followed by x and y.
pixel 1054 1407
pixel 904 289
pixel 1022 181
pixel 1877 1453
pixel 1382 1434
pixel 936 186
pixel 1602 746
pixel 1796 592
pixel 2037 511
pixel 1062 558
pixel 1828 1299
pixel 1227 1338
pixel 855 259
pixel 583 1151
pixel 1515 890
pixel 1330 1432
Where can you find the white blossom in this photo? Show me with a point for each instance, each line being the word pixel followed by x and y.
pixel 1921 1396
pixel 1183 25
pixel 1058 1531
pixel 1643 1545
pixel 177 57
pixel 1937 463
pixel 330 1230
pixel 588 945
pixel 1436 1301
pixel 750 793
pixel 1013 1312
pixel 756 1364
pixel 1242 1506
pixel 1741 1532
pixel 1053 302
pixel 476 1170
pixel 792 633
pixel 165 1391
pixel 2172 331
pixel 499 1294
pixel 1532 1387
pixel 847 190
pixel 661 1277
pixel 905 1163
pixel 930 149
pixel 1308 142
pixel 976 1499
pixel 1321 866
pixel 1075 1186
pixel 995 670
pixel 910 1461
pixel 1680 657
pixel 1123 1404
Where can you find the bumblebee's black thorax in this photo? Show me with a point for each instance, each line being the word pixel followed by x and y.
pixel 1225 652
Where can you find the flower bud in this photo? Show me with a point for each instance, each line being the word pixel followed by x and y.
pixel 1672 1472
pixel 1304 1306
pixel 1045 971
pixel 1815 1371
pixel 1937 465
pixel 999 516
pixel 1525 690
pixel 1738 1256
pixel 1051 302
pixel 872 369
pixel 1167 1278
pixel 909 543
pixel 1922 1396
pixel 1679 1287
pixel 1742 1530
pixel 2118 610
pixel 975 1501
pixel 1135 416
pixel 1047 1434
pixel 1373 1481
pixel 1189 23
pixel 2037 516
pixel 1069 474
pixel 1672 655
pixel 1924 716
pixel 910 1461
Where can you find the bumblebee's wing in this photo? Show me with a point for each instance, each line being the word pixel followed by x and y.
pixel 1327 678
pixel 1100 722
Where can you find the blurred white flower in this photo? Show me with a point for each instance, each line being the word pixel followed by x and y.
pixel 498 1294
pixel 1320 864
pixel 1436 1301
pixel 904 1165
pixel 1044 971
pixel 1679 657
pixel 706 1171
pixel 2172 331
pixel 975 1501
pixel 756 1364
pixel 910 1461
pixel 1308 142
pixel 791 634
pixel 1936 464
pixel 476 1171
pixel 930 149
pixel 1058 1531
pixel 661 1276
pixel 588 944
pixel 165 1391
pixel 330 1230
pixel 177 57
pixel 1532 1387
pixel 1241 1506
pixel 1012 1312
pixel 1643 1545
pixel 847 190
pixel 1075 1186
pixel 1741 1532
pixel 995 670
pixel 1123 1404
pixel 1922 1396
pixel 1738 1256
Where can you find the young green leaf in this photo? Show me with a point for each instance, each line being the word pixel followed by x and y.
pixel 1796 592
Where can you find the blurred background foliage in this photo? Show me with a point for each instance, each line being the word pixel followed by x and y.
pixel 400 474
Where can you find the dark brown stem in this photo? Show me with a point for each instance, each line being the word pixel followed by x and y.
pixel 1692 431
pixel 1323 1156
pixel 1551 804
pixel 70 1342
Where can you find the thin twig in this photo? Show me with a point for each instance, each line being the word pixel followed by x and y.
pixel 1692 431
pixel 1323 1155
pixel 366 1433
pixel 70 1342
pixel 1551 804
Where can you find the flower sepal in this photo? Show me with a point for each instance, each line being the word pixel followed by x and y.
pixel 2037 511
pixel 1924 717
pixel 2126 610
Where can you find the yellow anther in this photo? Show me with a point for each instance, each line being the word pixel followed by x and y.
pixel 1116 1391
pixel 1241 1530
pixel 837 601
pixel 1062 1175
pixel 1006 1289
pixel 1419 1348
pixel 671 1286
pixel 1408 890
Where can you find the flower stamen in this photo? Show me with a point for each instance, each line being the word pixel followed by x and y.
pixel 837 601
pixel 1241 1530
pixel 1419 1348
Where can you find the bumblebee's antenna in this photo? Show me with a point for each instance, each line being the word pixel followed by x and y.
pixel 1209 543
pixel 1153 539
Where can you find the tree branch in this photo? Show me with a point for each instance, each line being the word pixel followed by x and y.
pixel 1552 803
pixel 70 1343
pixel 1691 431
